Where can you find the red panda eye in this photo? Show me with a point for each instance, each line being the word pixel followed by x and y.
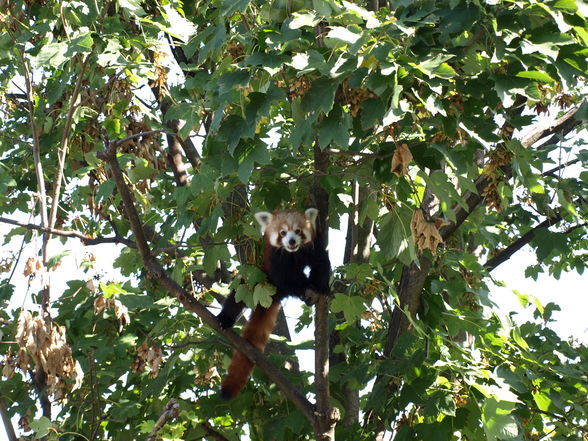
pixel 282 233
pixel 298 231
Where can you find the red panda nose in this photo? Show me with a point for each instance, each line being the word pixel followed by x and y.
pixel 292 242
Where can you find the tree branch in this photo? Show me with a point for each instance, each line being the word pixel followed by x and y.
pixel 36 148
pixel 564 124
pixel 138 135
pixel 326 416
pixel 87 240
pixel 561 126
pixel 158 273
pixel 216 436
pixel 62 151
pixel 414 276
pixel 7 423
pixel 552 171
pixel 510 250
pixel 175 142
pixel 170 411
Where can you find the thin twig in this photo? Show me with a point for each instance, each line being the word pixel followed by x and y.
pixel 36 144
pixel 326 417
pixel 216 436
pixel 62 151
pixel 87 240
pixel 40 178
pixel 196 343
pixel 138 135
pixel 560 167
pixel 22 245
pixel 363 154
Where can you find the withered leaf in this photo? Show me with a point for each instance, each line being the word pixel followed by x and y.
pixel 400 160
pixel 425 234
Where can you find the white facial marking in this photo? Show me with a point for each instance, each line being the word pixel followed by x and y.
pixel 273 239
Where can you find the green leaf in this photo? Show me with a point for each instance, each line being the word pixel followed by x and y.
pixel 498 421
pixel 372 112
pixel 395 234
pixel 135 301
pixel 321 95
pixel 111 289
pixel 213 255
pixel 543 401
pixel 41 426
pixel 244 294
pixel 263 293
pixel 230 80
pixel 566 5
pixel 273 61
pixel 230 6
pixel 436 67
pixel 536 75
pixel 146 426
pixel 244 170
pixel 51 55
pixel 335 129
pixel 352 307
pixel 518 339
pixel 133 6
pixel 342 34
pixel 252 275
pixel 142 170
pixel 302 19
pixel 56 260
pixel 82 43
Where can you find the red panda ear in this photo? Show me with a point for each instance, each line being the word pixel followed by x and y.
pixel 311 215
pixel 263 218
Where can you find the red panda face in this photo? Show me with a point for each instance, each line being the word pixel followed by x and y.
pixel 288 229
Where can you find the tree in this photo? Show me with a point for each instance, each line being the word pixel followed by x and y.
pixel 419 127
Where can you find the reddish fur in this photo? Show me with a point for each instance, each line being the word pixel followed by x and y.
pixel 257 332
pixel 262 321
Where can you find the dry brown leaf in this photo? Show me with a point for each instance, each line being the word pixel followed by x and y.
pixel 400 160
pixel 42 345
pixel 32 267
pixel 121 312
pixel 151 356
pixel 425 234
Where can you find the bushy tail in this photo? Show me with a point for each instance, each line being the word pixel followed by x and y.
pixel 257 332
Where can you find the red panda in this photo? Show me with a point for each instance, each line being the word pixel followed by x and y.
pixel 292 246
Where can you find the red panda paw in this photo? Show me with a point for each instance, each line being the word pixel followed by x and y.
pixel 225 394
pixel 225 321
pixel 311 296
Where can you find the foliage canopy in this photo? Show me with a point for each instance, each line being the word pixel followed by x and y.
pixel 439 135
